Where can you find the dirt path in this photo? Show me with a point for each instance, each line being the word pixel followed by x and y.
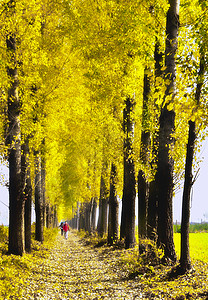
pixel 76 271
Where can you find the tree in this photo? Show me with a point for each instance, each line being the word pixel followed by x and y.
pixel 16 199
pixel 185 262
pixel 39 208
pixel 103 204
pixel 113 228
pixel 165 164
pixel 143 185
pixel 152 214
pixel 27 194
pixel 129 188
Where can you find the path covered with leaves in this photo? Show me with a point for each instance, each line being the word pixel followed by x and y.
pixel 76 271
pixel 73 269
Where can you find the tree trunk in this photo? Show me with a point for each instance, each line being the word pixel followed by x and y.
pixel 103 206
pixel 27 195
pixel 28 214
pixel 55 218
pixel 77 216
pixel 88 215
pixel 142 204
pixel 143 186
pixel 16 199
pixel 94 212
pixel 127 231
pixel 113 208
pixel 43 177
pixel 152 210
pixel 185 262
pixel 38 202
pixel 165 165
pixel 48 215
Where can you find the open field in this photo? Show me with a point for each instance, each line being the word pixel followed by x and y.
pixel 198 243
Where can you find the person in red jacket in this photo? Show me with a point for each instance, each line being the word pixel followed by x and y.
pixel 66 229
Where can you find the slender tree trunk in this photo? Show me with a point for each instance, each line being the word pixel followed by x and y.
pixel 81 218
pixel 88 215
pixel 143 186
pixel 185 262
pixel 99 217
pixel 43 177
pixel 27 195
pixel 48 218
pixel 38 202
pixel 164 175
pixel 127 231
pixel 94 212
pixel 142 204
pixel 113 208
pixel 77 216
pixel 152 214
pixel 103 206
pixel 55 218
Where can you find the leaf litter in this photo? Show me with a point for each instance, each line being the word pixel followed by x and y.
pixel 74 270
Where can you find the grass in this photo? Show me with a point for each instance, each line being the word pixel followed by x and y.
pixel 198 243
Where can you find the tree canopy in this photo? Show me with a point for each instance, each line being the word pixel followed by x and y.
pixel 77 62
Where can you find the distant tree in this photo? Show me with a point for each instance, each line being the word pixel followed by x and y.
pixel 94 213
pixel 39 207
pixel 27 194
pixel 103 204
pixel 113 226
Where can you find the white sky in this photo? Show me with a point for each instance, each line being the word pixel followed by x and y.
pixel 199 206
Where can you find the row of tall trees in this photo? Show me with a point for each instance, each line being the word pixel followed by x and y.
pixel 159 148
pixel 94 97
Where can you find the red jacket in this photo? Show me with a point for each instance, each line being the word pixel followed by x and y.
pixel 65 227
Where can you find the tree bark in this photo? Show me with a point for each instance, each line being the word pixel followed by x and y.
pixel 113 208
pixel 185 261
pixel 142 204
pixel 143 185
pixel 13 141
pixel 27 194
pixel 152 210
pixel 77 217
pixel 165 165
pixel 127 231
pixel 48 216
pixel 55 218
pixel 103 205
pixel 38 201
pixel 94 212
pixel 81 222
pixel 43 177
pixel 88 215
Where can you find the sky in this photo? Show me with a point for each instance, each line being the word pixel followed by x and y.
pixel 199 204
